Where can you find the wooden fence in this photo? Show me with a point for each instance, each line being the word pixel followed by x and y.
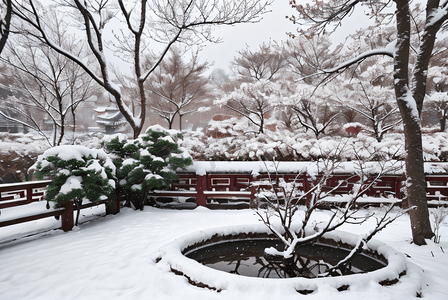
pixel 213 190
pixel 23 193
pixel 216 190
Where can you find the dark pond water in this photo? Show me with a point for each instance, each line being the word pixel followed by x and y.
pixel 248 258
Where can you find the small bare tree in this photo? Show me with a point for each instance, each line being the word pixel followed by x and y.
pixel 439 103
pixel 265 63
pixel 376 104
pixel 252 101
pixel 313 109
pixel 293 206
pixel 314 117
pixel 178 87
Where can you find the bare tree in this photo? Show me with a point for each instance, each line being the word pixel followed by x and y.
pixel 47 81
pixel 177 86
pixel 308 54
pixel 439 103
pixel 313 116
pixel 410 87
pixel 374 104
pixel 281 204
pixel 253 101
pixel 437 100
pixel 146 21
pixel 313 109
pixel 265 63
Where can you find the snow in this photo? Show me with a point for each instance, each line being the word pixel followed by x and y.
pixel 201 168
pixel 114 257
pixel 72 183
pixel 437 14
pixel 67 152
pixel 412 105
pixel 253 167
pixel 129 161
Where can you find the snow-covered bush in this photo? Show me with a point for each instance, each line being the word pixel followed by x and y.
pixel 284 145
pixel 78 174
pixel 148 162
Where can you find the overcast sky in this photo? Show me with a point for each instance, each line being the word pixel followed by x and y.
pixel 273 26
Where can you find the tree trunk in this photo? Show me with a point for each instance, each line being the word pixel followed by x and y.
pixel 415 175
pixel 415 181
pixel 74 125
pixel 180 122
pixel 78 207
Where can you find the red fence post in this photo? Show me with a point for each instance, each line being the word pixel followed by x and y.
pixel 306 188
pixel 67 217
pixel 397 187
pixel 253 190
pixel 201 186
pixel 29 194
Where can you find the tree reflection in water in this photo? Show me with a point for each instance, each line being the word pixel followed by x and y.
pixel 248 258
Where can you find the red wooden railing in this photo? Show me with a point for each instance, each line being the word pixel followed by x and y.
pixel 216 188
pixel 22 193
pixel 212 189
pixel 16 194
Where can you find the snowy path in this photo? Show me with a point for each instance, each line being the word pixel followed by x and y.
pixel 110 258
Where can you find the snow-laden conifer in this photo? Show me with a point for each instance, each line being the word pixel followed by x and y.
pixel 148 162
pixel 78 173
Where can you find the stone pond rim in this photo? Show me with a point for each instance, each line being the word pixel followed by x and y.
pixel 173 254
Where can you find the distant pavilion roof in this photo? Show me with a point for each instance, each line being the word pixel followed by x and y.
pixel 109 116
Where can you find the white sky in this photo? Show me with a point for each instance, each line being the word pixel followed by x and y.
pixel 273 26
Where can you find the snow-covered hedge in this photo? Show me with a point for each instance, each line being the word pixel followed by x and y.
pixel 229 142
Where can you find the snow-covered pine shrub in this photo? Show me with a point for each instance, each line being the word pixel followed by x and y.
pixel 148 162
pixel 78 174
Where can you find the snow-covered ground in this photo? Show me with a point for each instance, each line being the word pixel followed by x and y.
pixel 112 257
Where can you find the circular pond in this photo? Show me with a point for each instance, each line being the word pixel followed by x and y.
pixel 248 258
pixel 223 259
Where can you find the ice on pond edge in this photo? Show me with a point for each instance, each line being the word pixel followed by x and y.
pixel 171 257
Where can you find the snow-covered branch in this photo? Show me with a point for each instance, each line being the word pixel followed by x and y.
pixel 389 50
